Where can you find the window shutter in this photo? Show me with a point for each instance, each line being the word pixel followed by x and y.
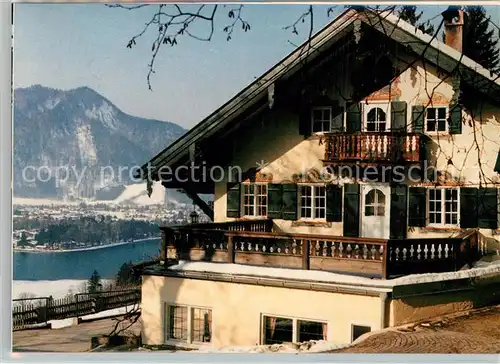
pixel 487 208
pixel 398 115
pixel 305 120
pixel 353 122
pixel 233 201
pixel 399 199
pixel 337 119
pixel 351 210
pixel 497 164
pixel 289 201
pixel 274 201
pixel 468 207
pixel 455 119
pixel 417 118
pixel 333 203
pixel 417 200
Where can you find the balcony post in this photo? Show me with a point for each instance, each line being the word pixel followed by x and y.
pixel 305 254
pixel 230 248
pixel 385 261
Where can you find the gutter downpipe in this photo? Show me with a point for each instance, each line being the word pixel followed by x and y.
pixel 383 303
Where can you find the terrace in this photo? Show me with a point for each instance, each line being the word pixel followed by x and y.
pixel 255 242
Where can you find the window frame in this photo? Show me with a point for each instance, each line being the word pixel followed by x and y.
pixel 447 115
pixel 443 207
pixel 313 201
pixel 255 199
pixel 386 108
pixel 352 331
pixel 321 108
pixel 295 326
pixel 190 320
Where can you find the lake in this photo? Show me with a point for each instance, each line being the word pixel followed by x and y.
pixel 80 265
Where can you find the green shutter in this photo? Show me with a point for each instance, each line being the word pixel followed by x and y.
pixel 305 120
pixel 337 119
pixel 487 208
pixel 417 199
pixel 455 119
pixel 289 201
pixel 468 207
pixel 497 164
pixel 399 200
pixel 353 118
pixel 351 210
pixel 398 116
pixel 333 203
pixel 417 118
pixel 274 201
pixel 233 201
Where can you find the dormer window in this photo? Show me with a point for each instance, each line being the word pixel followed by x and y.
pixel 321 119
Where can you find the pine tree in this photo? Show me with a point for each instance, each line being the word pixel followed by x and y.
pixel 94 283
pixel 126 275
pixel 479 41
pixel 23 241
pixel 409 14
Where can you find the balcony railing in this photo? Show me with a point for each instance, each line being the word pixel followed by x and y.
pixel 372 257
pixel 373 147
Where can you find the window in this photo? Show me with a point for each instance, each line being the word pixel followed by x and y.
pixel 254 199
pixel 358 330
pixel 375 203
pixel 435 119
pixel 202 325
pixel 321 119
pixel 189 324
pixel 376 120
pixel 310 330
pixel 178 328
pixel 312 200
pixel 277 330
pixel 443 206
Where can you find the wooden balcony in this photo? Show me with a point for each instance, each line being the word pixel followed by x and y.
pixel 373 147
pixel 254 243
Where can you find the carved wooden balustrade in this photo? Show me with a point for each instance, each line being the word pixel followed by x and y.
pixel 365 256
pixel 373 147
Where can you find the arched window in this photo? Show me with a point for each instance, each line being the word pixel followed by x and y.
pixel 376 120
pixel 375 203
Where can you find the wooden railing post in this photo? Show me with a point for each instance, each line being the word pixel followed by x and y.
pixel 385 262
pixel 305 254
pixel 230 249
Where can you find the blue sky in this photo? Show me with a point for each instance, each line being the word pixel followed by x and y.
pixel 70 45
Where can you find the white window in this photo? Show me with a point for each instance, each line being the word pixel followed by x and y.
pixel 321 119
pixel 254 199
pixel 375 203
pixel 436 119
pixel 376 117
pixel 443 206
pixel 312 202
pixel 189 324
pixel 278 330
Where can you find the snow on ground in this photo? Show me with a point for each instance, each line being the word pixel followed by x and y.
pixel 59 324
pixel 482 268
pixel 56 289
pixel 306 347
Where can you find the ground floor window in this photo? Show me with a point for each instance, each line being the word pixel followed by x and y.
pixel 190 324
pixel 358 330
pixel 278 330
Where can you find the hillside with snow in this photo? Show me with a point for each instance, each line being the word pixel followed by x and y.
pixel 86 134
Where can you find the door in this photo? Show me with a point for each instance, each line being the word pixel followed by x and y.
pixel 375 211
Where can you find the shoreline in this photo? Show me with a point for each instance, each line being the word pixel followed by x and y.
pixel 98 247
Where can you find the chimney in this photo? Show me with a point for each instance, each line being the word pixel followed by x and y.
pixel 453 27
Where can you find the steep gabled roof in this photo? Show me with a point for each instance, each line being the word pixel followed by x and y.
pixel 402 32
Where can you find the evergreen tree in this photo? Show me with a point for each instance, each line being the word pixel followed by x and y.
pixel 126 275
pixel 479 41
pixel 409 14
pixel 94 283
pixel 23 241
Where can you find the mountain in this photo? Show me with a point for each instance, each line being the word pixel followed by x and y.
pixel 74 142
